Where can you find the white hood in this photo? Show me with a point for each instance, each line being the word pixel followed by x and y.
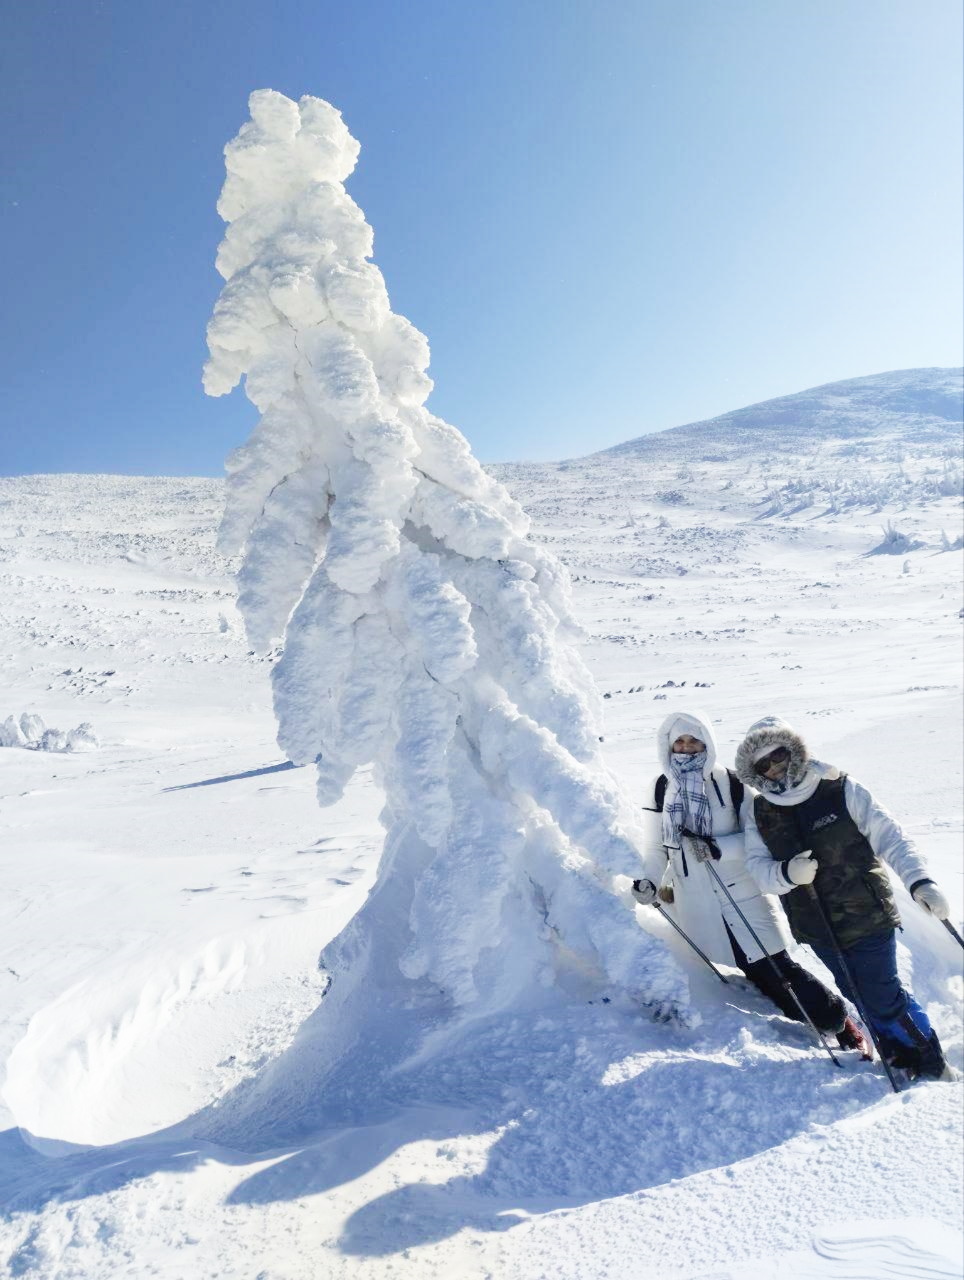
pixel 698 725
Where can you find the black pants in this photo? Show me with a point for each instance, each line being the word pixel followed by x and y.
pixel 826 1009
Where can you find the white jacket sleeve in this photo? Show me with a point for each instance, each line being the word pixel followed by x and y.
pixel 886 838
pixel 653 851
pixel 762 866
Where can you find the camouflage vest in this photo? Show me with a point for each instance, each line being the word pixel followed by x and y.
pixel 851 880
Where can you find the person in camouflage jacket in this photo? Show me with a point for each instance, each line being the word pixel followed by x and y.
pixel 819 839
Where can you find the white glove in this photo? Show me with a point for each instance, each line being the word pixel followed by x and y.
pixel 802 868
pixel 931 899
pixel 644 891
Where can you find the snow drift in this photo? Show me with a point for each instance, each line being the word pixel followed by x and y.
pixel 418 627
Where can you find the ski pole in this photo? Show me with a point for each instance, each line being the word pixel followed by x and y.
pixel 845 969
pixel 952 931
pixel 685 936
pixel 781 978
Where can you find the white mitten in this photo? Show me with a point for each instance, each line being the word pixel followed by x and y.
pixel 644 891
pixel 931 899
pixel 802 868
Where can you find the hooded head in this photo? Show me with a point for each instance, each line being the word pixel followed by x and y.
pixel 674 726
pixel 763 737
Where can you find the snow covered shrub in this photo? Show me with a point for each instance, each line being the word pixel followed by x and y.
pixel 31 733
pixel 53 740
pixel 32 727
pixel 950 484
pixel 11 735
pixel 420 628
pixel 83 738
pixel 894 543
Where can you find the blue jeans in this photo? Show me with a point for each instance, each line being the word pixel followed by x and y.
pixel 892 1011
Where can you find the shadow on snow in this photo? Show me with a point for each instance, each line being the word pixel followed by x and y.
pixel 234 777
pixel 565 1104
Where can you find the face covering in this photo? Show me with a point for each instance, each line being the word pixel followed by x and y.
pixel 686 763
pixel 776 786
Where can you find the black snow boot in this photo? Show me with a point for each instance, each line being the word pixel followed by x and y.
pixel 923 1060
pixel 931 1064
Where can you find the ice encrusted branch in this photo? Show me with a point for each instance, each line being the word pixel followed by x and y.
pixel 420 629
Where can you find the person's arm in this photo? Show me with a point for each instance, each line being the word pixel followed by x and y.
pixel 885 835
pixel 889 842
pixel 653 852
pixel 762 866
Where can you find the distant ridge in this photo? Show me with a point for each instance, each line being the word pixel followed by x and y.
pixel 925 403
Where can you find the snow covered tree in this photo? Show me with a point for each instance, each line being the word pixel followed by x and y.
pixel 419 628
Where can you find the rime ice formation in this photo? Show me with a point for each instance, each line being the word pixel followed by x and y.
pixel 31 732
pixel 420 629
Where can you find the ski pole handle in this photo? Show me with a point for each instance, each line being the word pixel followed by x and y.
pixel 712 848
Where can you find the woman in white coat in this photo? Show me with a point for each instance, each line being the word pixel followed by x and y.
pixel 695 794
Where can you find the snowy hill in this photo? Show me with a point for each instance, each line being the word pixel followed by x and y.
pixel 803 530
pixel 166 896
pixel 846 456
pixel 922 404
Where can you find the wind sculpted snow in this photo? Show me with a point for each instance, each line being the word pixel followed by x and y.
pixel 419 629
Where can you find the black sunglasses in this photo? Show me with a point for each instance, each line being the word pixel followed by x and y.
pixel 775 757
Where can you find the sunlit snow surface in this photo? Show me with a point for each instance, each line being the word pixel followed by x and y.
pixel 165 898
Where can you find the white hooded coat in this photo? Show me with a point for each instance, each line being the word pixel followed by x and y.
pixel 700 905
pixel 882 831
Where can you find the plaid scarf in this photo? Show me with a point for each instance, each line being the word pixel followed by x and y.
pixel 689 807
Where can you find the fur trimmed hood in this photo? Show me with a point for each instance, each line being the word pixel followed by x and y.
pixel 698 725
pixel 763 737
pixel 803 772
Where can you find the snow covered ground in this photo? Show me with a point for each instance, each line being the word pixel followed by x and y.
pixel 165 897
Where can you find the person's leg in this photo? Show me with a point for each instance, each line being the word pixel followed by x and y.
pixel 903 1029
pixel 823 1006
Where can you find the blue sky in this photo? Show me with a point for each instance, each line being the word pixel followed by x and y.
pixel 608 216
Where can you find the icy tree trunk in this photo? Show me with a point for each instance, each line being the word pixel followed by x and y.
pixel 419 628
